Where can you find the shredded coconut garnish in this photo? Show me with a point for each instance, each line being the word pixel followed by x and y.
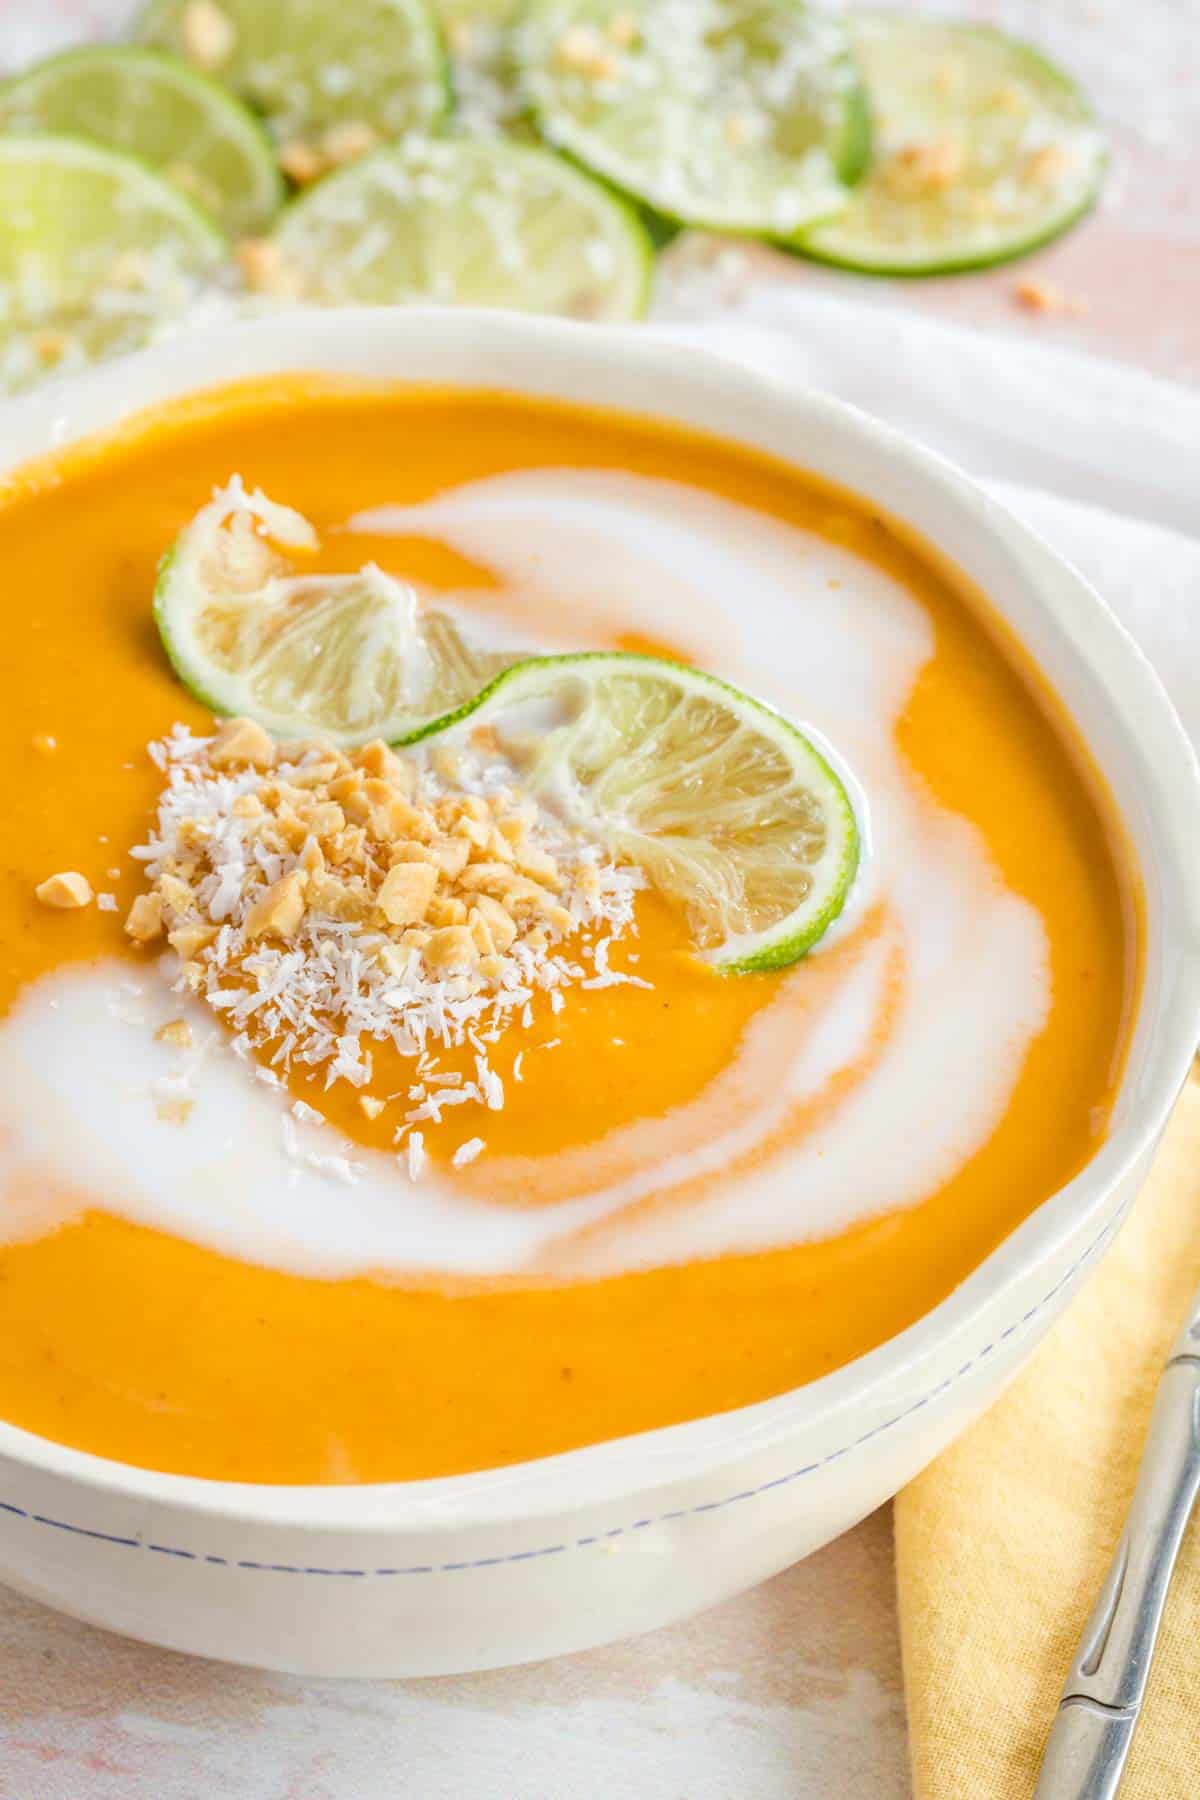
pixel 321 902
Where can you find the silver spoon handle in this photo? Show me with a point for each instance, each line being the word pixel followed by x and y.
pixel 1102 1697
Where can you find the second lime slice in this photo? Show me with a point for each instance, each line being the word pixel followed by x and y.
pixel 480 223
pixel 725 805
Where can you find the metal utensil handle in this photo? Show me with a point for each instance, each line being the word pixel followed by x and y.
pixel 1102 1697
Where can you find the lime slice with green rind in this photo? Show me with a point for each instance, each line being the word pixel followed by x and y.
pixel 307 65
pixel 186 127
pixel 735 115
pixel 725 805
pixel 353 657
pixel 96 251
pixel 482 223
pixel 983 150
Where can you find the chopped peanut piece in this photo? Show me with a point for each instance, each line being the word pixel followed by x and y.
pixel 451 948
pixel 144 921
pixel 539 865
pixel 500 923
pixel 370 1105
pixel 265 271
pixel 176 1032
pixel 64 891
pixel 1045 297
pixel 208 35
pixel 376 758
pixel 346 142
pixel 189 940
pixel 301 163
pixel 406 892
pixel 1047 166
pixel 581 50
pixel 49 344
pixel 918 169
pixel 242 744
pixel 280 909
pixel 174 1109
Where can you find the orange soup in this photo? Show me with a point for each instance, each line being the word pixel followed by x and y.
pixel 635 1190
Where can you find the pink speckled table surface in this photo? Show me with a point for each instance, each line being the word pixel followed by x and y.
pixel 795 1689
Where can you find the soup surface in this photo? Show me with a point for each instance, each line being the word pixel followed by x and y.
pixel 701 1190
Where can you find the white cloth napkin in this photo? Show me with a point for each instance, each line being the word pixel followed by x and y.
pixel 1101 460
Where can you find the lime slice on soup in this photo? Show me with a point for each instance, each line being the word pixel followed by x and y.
pixel 188 128
pixel 485 223
pixel 726 806
pixel 737 115
pixel 308 65
pixel 983 150
pixel 353 657
pixel 95 252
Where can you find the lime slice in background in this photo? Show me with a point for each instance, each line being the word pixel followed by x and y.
pixel 95 252
pixel 350 656
pixel 186 127
pixel 983 150
pixel 724 804
pixel 308 65
pixel 736 115
pixel 485 223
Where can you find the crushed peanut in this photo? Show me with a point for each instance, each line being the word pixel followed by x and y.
pixel 1047 166
pixel 145 919
pixel 264 270
pixel 917 169
pixel 240 744
pixel 65 890
pixel 301 162
pixel 176 1032
pixel 346 142
pixel 584 52
pixel 208 34
pixel 174 1109
pixel 1040 296
pixel 319 899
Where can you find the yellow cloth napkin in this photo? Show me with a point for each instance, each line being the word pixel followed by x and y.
pixel 1001 1545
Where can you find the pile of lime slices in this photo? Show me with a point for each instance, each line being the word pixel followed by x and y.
pixel 519 153
pixel 725 805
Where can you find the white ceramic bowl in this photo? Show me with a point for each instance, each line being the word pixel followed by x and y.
pixel 480 1570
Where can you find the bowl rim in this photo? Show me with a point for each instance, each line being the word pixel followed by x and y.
pixel 310 342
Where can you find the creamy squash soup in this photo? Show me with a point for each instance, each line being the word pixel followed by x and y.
pixel 520 926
